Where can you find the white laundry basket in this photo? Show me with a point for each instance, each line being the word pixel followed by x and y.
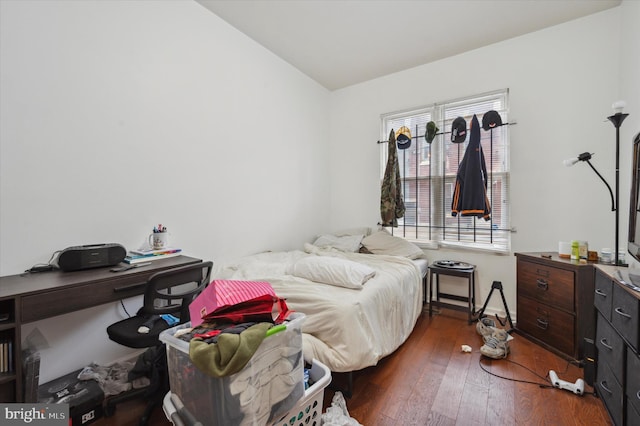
pixel 308 410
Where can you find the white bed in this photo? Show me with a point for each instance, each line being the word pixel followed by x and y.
pixel 347 329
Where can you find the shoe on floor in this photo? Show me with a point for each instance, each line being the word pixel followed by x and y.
pixel 485 327
pixel 496 346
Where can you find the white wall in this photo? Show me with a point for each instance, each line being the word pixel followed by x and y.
pixel 562 83
pixel 119 115
pixel 629 91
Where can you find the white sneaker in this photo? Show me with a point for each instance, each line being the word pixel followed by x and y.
pixel 496 346
pixel 485 327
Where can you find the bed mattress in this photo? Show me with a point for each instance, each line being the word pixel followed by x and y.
pixel 345 329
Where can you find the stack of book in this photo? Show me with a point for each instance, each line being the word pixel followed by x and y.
pixel 139 256
pixel 6 355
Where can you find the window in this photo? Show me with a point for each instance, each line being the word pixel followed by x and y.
pixel 428 172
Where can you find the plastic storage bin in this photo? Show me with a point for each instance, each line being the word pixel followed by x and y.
pixel 267 387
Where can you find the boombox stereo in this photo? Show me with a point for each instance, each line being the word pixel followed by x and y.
pixel 91 256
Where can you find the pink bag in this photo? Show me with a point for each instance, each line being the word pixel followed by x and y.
pixel 236 301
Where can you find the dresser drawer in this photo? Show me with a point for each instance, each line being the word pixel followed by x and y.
pixel 610 347
pixel 633 415
pixel 57 302
pixel 112 287
pixel 603 295
pixel 610 392
pixel 552 326
pixel 633 380
pixel 624 315
pixel 546 284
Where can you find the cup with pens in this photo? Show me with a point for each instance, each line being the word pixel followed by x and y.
pixel 159 239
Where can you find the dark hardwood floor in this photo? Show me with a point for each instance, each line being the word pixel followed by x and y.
pixel 430 381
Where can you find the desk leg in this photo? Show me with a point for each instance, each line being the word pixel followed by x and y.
pixel 469 281
pixel 473 294
pixel 430 293
pixel 437 279
pixel 424 289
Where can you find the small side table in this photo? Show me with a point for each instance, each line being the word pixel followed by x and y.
pixel 470 299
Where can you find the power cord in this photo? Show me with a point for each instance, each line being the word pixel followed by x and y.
pixel 125 309
pixel 44 267
pixel 542 385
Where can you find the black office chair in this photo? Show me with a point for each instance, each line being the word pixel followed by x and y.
pixel 166 292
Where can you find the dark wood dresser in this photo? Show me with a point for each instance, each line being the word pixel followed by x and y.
pixel 555 303
pixel 618 345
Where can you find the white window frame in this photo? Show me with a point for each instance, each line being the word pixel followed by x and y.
pixel 441 158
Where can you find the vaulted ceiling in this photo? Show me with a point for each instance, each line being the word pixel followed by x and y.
pixel 339 43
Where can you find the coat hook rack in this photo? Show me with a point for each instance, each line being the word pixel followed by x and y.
pixel 513 123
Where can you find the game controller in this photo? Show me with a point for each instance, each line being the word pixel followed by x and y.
pixel 577 387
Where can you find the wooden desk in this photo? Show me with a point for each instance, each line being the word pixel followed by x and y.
pixel 29 297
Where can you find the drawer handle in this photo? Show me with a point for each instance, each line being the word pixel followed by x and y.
pixel 619 312
pixel 542 284
pixel 638 395
pixel 600 293
pixel 542 272
pixel 603 386
pixel 604 343
pixel 542 323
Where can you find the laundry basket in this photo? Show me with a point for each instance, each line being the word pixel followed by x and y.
pixel 246 397
pixel 308 410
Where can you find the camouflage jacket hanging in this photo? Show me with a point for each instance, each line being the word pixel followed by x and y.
pixel 391 202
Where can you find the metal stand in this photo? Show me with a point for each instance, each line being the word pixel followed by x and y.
pixel 497 285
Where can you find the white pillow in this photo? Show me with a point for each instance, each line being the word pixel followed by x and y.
pixel 333 270
pixel 382 242
pixel 353 231
pixel 346 243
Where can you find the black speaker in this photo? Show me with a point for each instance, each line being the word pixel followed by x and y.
pixel 590 358
pixel 78 258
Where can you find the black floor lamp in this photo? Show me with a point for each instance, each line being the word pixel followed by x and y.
pixel 617 120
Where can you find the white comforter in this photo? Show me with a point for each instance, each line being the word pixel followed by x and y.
pixel 345 329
